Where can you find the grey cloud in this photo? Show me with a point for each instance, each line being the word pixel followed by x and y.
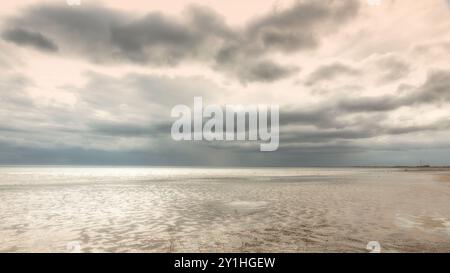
pixel 129 130
pixel 392 68
pixel 322 116
pixel 11 129
pixel 12 89
pixel 264 71
pixel 107 36
pixel 81 137
pixel 306 155
pixel 159 39
pixel 330 72
pixel 299 26
pixel 370 104
pixel 437 126
pixel 29 38
pixel 436 89
pixel 347 120
pixel 143 95
pixel 364 117
pixel 360 131
pixel 156 39
pixel 386 68
pixel 324 136
pixel 428 47
pixel 108 110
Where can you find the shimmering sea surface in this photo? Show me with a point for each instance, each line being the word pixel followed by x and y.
pixel 133 209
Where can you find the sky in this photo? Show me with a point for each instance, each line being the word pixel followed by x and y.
pixel 358 84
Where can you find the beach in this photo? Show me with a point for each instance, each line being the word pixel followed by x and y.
pixel 140 209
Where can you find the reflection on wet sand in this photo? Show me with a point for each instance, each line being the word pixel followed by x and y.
pixel 218 210
pixel 444 178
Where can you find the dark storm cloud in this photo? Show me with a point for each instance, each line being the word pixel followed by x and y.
pixel 330 72
pixel 28 38
pixel 129 130
pixel 108 36
pixel 160 39
pixel 299 27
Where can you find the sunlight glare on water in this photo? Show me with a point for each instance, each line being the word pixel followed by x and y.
pixel 137 209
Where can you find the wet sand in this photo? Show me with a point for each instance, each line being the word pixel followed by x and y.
pixel 223 210
pixel 444 178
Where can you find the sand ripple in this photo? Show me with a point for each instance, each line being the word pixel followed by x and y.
pixel 164 210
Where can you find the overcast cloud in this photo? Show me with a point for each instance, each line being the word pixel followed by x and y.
pixel 356 84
